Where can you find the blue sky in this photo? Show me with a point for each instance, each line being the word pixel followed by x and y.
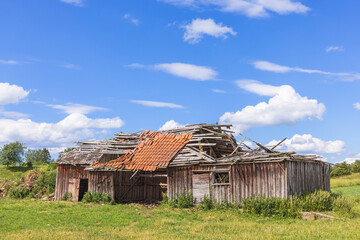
pixel 84 69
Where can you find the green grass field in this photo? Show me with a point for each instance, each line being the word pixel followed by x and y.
pixel 12 173
pixel 26 219
pixel 15 173
pixel 345 181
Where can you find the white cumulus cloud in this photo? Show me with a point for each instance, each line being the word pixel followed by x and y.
pixel 306 143
pixel 157 104
pixel 170 125
pixel 195 30
pixel 250 8
pixel 11 93
pixel 352 159
pixel 74 127
pixel 285 106
pixel 189 71
pixel 273 67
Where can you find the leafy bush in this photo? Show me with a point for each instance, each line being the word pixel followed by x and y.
pixel 343 206
pixel 316 201
pixel 51 166
pixel 355 167
pixel 269 207
pixel 207 203
pixel 319 200
pixel 98 197
pixel 45 184
pixel 18 193
pixel 165 199
pixel 67 197
pixel 225 204
pixel 340 171
pixel 184 200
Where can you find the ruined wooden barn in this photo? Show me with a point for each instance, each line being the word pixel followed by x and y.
pixel 203 159
pixel 72 178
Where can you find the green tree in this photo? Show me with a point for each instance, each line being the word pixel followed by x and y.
pixel 355 167
pixel 340 169
pixel 37 156
pixel 12 153
pixel 68 149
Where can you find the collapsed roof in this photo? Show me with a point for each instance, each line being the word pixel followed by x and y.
pixel 183 146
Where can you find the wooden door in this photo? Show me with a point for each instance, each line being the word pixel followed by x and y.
pixel 201 186
pixel 74 188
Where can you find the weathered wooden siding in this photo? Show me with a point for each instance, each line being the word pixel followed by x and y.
pixel 254 179
pixel 101 182
pixel 68 180
pixel 274 179
pixel 145 187
pixel 179 179
pixel 201 186
pixel 307 177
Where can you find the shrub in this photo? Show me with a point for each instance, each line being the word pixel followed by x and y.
pixel 165 199
pixel 269 207
pixel 183 200
pixel 355 167
pixel 18 193
pixel 316 201
pixel 225 204
pixel 340 171
pixel 45 184
pixel 207 203
pixel 67 197
pixel 51 166
pixel 87 197
pixel 343 206
pixel 98 197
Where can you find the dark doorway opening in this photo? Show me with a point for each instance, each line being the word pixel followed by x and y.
pixel 83 188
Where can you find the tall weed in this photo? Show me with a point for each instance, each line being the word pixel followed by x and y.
pixel 183 200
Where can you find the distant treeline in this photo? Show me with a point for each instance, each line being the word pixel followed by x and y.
pixel 15 153
pixel 341 169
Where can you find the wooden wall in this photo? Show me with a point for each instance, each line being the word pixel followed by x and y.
pixel 182 179
pixel 144 187
pixel 307 177
pixel 179 179
pixel 254 179
pixel 275 179
pixel 68 180
pixel 101 182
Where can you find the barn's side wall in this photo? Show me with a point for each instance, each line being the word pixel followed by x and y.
pixel 143 187
pixel 101 182
pixel 68 179
pixel 254 179
pixel 268 179
pixel 179 179
pixel 307 176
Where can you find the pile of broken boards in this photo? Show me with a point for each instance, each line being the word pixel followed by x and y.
pixel 195 144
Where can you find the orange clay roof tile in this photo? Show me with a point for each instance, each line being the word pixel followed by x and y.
pixel 151 153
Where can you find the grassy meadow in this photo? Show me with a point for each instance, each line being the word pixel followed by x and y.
pixel 27 219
